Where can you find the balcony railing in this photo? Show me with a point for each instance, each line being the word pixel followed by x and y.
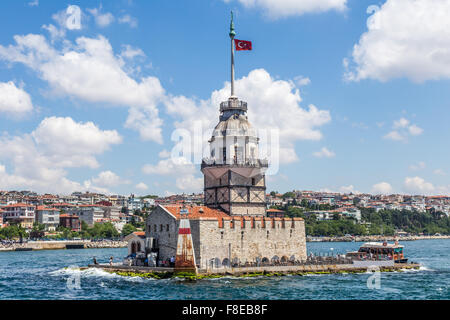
pixel 233 104
pixel 257 163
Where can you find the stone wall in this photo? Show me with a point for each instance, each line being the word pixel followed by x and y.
pixel 162 226
pixel 240 238
pixel 248 239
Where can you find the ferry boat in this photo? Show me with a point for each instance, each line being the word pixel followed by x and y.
pixel 379 251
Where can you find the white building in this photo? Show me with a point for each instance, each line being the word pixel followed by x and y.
pixel 48 217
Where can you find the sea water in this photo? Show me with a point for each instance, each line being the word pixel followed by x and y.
pixel 55 275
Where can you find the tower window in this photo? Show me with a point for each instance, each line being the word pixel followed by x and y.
pixel 253 181
pixel 213 153
pixel 221 235
pixel 224 154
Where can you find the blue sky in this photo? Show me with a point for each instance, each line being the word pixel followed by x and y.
pixel 94 108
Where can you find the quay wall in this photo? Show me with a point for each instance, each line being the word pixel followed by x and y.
pixel 59 245
pixel 263 270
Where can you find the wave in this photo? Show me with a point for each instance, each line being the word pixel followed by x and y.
pixel 94 273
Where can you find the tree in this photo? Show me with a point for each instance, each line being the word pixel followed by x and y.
pixel 128 229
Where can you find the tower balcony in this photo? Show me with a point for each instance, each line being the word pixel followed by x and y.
pixel 233 104
pixel 254 163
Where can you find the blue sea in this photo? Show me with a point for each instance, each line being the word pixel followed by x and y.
pixel 44 275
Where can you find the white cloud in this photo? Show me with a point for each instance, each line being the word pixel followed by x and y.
pixel 324 153
pixel 284 8
pixel 272 105
pixel 141 186
pixel 302 81
pixel 401 123
pixel 13 100
pixel 74 144
pixel 418 185
pixel 415 130
pixel 108 179
pixel 39 160
pixel 348 189
pixel 439 172
pixel 382 188
pixel 127 19
pixel 402 130
pixel 101 19
pixel 181 169
pixel 394 135
pixel 89 70
pixel 420 165
pixel 405 38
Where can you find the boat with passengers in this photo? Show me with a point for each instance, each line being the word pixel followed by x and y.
pixel 379 251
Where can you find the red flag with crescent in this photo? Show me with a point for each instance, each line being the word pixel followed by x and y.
pixel 242 45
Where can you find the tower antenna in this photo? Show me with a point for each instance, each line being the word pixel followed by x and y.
pixel 232 35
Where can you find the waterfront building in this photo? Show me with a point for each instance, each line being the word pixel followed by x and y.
pixel 48 217
pixel 232 227
pixel 70 221
pixel 88 213
pixel 20 213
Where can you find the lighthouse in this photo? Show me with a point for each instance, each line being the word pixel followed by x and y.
pixel 234 175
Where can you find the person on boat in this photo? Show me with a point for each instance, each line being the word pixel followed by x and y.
pixel 172 261
pixel 111 261
pixel 95 261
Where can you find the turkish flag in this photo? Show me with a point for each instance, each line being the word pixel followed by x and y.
pixel 242 45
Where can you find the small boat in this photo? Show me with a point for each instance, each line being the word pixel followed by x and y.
pixel 23 249
pixel 379 251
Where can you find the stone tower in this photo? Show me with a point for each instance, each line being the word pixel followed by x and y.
pixel 234 179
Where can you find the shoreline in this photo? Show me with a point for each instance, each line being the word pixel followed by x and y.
pixel 373 238
pixel 62 245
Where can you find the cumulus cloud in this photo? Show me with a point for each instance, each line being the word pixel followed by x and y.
pixel 13 100
pixel 382 188
pixel 284 8
pixel 39 160
pixel 101 19
pixel 348 189
pixel 127 19
pixel 108 179
pixel 89 70
pixel 405 39
pixel 402 129
pixel 324 153
pixel 418 185
pixel 141 186
pixel 273 105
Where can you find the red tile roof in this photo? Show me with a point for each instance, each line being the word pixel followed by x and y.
pixel 195 212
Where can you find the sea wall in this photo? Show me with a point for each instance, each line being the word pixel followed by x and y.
pixel 58 245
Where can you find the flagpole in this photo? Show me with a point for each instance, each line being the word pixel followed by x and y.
pixel 232 34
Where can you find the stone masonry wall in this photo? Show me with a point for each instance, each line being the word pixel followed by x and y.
pixel 233 240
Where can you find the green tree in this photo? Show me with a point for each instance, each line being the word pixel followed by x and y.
pixel 128 229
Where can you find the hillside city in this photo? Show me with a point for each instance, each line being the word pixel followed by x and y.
pixel 326 214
